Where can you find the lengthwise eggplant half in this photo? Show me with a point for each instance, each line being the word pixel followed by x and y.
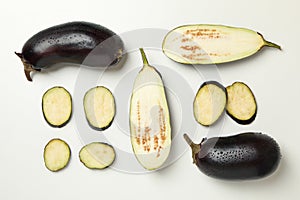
pixel 150 127
pixel 212 44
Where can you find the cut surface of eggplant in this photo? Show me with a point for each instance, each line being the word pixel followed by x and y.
pixel 149 118
pixel 212 44
pixel 57 154
pixel 57 106
pixel 97 155
pixel 241 105
pixel 99 107
pixel 209 103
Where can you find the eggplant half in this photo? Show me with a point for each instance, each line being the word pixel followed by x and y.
pixel 209 103
pixel 57 106
pixel 239 157
pixel 241 103
pixel 71 43
pixel 97 155
pixel 99 107
pixel 150 127
pixel 57 155
pixel 212 44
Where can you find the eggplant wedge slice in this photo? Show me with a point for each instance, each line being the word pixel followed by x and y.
pixel 99 107
pixel 97 155
pixel 57 155
pixel 57 106
pixel 150 127
pixel 209 103
pixel 212 44
pixel 241 105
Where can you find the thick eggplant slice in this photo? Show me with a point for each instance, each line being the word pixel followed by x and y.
pixel 212 44
pixel 57 106
pixel 209 103
pixel 241 105
pixel 97 155
pixel 149 118
pixel 99 107
pixel 57 154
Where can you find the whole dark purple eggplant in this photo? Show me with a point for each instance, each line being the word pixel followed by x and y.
pixel 71 43
pixel 238 157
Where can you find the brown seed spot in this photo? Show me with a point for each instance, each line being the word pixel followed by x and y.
pixel 155 142
pixel 158 152
pixel 203 33
pixel 138 139
pixel 191 48
pixel 185 39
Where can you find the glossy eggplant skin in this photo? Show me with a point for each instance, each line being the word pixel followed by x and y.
pixel 71 43
pixel 239 157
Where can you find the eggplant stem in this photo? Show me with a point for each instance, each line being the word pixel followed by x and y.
pixel 271 44
pixel 195 147
pixel 27 67
pixel 145 61
pixel 188 139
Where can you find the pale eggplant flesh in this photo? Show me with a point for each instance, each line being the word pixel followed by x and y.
pixel 150 127
pixel 99 107
pixel 57 106
pixel 97 155
pixel 57 155
pixel 212 44
pixel 209 103
pixel 241 103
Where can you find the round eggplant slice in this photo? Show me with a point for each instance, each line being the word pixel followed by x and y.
pixel 57 106
pixel 241 105
pixel 99 107
pixel 209 103
pixel 97 155
pixel 57 155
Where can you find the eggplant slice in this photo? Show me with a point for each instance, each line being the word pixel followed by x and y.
pixel 57 106
pixel 97 155
pixel 241 105
pixel 57 155
pixel 99 107
pixel 209 103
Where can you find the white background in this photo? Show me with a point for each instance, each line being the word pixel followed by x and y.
pixel 273 76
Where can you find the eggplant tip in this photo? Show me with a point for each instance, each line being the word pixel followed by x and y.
pixel 27 67
pixel 187 139
pixel 20 55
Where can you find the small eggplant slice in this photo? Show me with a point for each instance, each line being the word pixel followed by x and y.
pixel 238 157
pixel 71 43
pixel 241 105
pixel 150 127
pixel 57 155
pixel 57 106
pixel 209 103
pixel 99 107
pixel 97 155
pixel 212 44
